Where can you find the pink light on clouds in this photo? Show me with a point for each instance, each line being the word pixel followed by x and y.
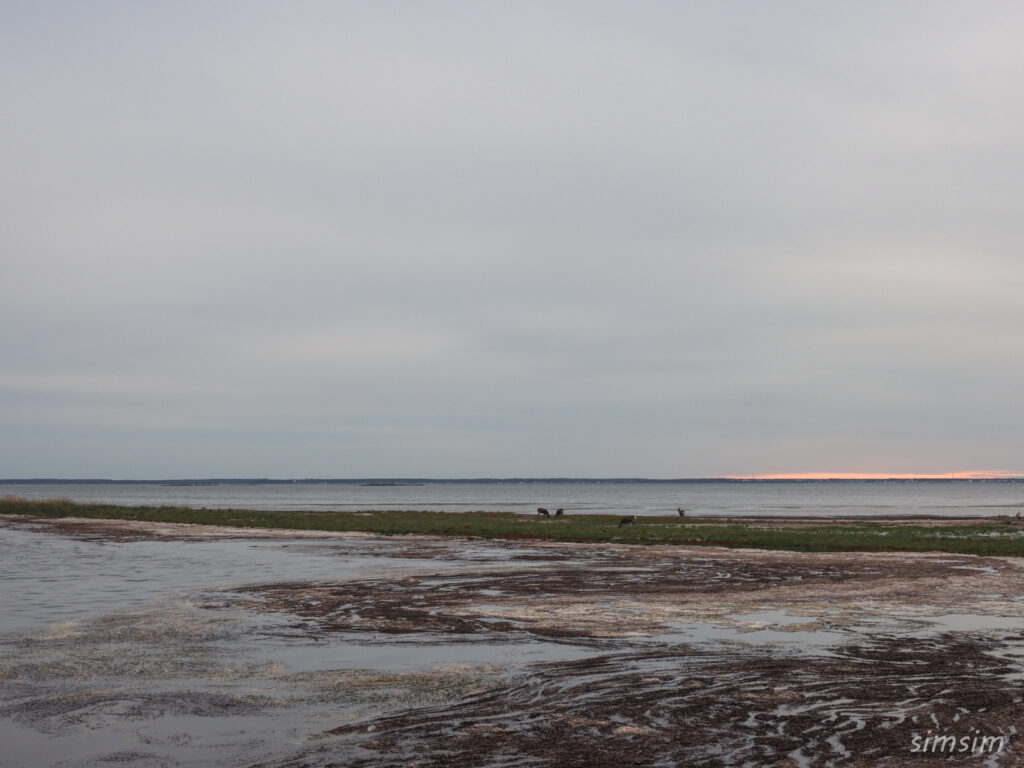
pixel 968 475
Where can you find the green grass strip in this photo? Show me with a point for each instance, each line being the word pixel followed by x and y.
pixel 989 536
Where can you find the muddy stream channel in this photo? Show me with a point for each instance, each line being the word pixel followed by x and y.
pixel 125 644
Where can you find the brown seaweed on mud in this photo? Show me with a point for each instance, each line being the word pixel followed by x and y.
pixel 855 698
pixel 707 704
pixel 607 597
pixel 860 706
pixel 57 711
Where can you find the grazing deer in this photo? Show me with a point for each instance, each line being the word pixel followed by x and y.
pixel 631 520
pixel 544 512
pixel 559 512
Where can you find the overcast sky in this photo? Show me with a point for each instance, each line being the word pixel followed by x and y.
pixel 376 239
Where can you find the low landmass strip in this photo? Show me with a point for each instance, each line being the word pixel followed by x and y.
pixel 996 535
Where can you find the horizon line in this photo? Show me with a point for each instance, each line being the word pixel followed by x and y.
pixel 777 476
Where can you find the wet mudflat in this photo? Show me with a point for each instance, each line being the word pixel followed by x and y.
pixel 347 650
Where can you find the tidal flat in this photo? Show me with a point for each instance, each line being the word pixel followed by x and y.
pixel 164 644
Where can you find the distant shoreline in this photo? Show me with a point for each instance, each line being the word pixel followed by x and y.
pixel 376 481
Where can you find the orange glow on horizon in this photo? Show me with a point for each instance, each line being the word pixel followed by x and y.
pixel 972 475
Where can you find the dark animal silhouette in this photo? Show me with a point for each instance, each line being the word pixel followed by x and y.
pixel 631 520
pixel 559 512
pixel 542 511
pixel 681 511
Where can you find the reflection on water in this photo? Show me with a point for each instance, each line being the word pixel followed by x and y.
pixel 106 656
pixel 133 653
pixel 49 578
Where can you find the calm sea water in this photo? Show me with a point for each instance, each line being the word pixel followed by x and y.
pixel 797 499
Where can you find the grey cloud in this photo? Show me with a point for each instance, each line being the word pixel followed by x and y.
pixel 384 239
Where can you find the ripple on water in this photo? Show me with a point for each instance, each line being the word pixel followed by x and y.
pixel 51 578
